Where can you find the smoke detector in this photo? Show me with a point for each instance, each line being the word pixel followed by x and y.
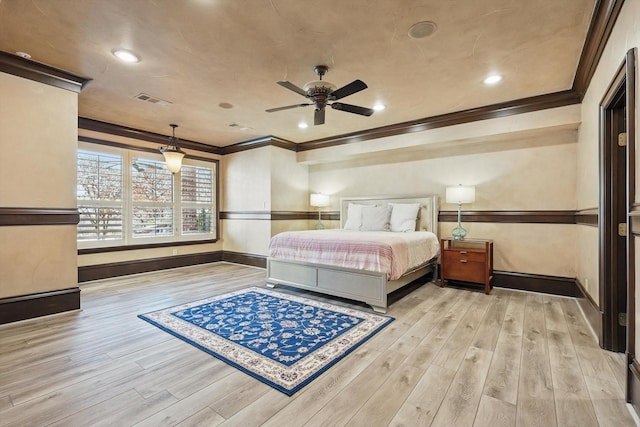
pixel 422 30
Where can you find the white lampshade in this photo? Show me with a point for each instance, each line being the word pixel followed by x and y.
pixel 461 194
pixel 173 159
pixel 172 153
pixel 319 200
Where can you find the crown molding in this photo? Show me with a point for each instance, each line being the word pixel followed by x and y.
pixel 518 106
pixel 603 20
pixel 260 142
pixel 128 132
pixel 42 73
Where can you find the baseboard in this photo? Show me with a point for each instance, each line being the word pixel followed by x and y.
pixel 104 271
pixel 24 307
pixel 590 309
pixel 116 269
pixel 245 259
pixel 633 385
pixel 555 285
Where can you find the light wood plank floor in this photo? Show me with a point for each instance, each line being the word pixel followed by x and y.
pixel 453 357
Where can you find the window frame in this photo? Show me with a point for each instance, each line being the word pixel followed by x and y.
pixel 128 152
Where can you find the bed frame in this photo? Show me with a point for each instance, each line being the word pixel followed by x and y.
pixel 360 285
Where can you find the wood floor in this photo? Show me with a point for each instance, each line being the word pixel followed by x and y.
pixel 452 358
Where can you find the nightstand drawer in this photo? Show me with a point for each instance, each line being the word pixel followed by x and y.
pixel 466 271
pixel 469 260
pixel 458 254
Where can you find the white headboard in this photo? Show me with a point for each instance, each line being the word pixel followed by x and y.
pixel 427 216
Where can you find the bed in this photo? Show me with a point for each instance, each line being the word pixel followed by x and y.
pixel 289 262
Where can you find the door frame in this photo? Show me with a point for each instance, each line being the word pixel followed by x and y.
pixel 623 84
pixel 615 181
pixel 633 368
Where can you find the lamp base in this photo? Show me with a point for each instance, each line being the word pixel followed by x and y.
pixel 319 226
pixel 458 233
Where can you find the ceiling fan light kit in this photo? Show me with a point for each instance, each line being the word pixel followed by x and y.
pixel 322 94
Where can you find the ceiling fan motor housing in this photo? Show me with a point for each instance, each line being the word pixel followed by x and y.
pixel 319 92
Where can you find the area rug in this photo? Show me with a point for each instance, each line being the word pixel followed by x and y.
pixel 280 339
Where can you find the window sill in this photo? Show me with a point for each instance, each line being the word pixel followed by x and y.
pixel 87 251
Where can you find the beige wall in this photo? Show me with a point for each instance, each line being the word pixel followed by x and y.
pixel 587 259
pixel 538 178
pixel 261 180
pixel 247 180
pixel 625 36
pixel 289 182
pixel 38 125
pixel 246 186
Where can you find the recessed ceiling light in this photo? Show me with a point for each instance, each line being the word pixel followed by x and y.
pixel 303 125
pixel 126 56
pixel 379 106
pixel 492 79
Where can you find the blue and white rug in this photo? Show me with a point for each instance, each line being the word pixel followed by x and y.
pixel 283 340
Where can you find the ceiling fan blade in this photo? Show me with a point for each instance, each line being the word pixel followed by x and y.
pixel 293 87
pixel 352 109
pixel 350 89
pixel 318 117
pixel 272 110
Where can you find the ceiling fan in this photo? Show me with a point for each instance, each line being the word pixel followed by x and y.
pixel 321 93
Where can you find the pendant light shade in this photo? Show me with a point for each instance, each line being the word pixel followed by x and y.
pixel 172 153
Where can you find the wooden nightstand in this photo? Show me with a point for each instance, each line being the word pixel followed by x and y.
pixel 469 260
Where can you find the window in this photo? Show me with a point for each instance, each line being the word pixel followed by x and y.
pixel 128 197
pixel 152 198
pixel 99 189
pixel 196 195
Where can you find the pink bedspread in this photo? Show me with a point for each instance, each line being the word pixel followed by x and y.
pixel 383 252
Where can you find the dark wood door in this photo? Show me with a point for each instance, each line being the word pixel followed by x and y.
pixel 617 194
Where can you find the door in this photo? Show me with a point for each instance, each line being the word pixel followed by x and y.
pixel 617 194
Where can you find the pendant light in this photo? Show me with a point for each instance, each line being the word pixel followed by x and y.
pixel 172 153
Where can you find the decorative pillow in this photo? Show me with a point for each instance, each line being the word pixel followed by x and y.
pixel 354 217
pixel 404 216
pixel 375 218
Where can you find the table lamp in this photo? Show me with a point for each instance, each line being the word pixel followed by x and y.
pixel 460 194
pixel 319 201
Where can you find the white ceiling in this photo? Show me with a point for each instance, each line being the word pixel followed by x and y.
pixel 198 54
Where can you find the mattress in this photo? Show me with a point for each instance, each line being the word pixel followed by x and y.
pixel 378 251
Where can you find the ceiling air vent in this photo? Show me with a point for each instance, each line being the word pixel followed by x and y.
pixel 239 126
pixel 151 99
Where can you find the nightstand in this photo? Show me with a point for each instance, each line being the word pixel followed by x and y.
pixel 469 260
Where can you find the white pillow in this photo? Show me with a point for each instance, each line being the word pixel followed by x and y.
pixel 404 216
pixel 375 218
pixel 354 217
